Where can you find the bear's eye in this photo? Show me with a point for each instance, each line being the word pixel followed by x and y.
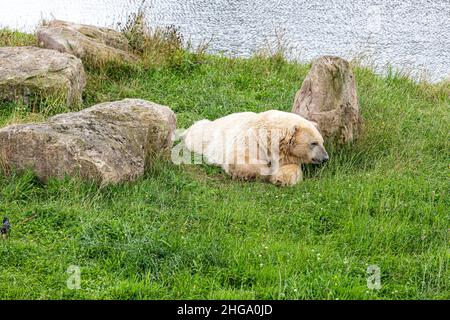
pixel 314 144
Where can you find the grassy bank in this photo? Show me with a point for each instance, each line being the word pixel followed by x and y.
pixel 190 232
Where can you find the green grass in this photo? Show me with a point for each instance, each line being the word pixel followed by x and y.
pixel 12 38
pixel 184 232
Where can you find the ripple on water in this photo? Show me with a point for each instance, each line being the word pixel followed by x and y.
pixel 412 36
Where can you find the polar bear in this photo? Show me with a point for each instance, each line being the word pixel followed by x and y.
pixel 270 145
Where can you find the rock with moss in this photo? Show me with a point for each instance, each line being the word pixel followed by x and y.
pixel 109 143
pixel 328 97
pixel 32 74
pixel 94 45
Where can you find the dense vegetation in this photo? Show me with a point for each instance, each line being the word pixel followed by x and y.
pixel 191 232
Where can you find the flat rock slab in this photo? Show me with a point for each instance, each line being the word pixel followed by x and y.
pixel 32 73
pixel 109 142
pixel 328 97
pixel 94 45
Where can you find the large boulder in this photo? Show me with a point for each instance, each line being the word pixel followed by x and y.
pixel 109 142
pixel 328 97
pixel 94 45
pixel 32 74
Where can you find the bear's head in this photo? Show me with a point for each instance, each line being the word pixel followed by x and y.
pixel 306 143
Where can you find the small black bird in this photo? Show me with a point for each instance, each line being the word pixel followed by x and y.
pixel 5 228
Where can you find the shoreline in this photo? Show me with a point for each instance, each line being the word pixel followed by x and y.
pixel 383 72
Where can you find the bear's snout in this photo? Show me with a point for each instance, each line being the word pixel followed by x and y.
pixel 321 158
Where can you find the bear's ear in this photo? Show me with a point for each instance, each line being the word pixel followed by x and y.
pixel 290 131
pixel 315 124
pixel 289 134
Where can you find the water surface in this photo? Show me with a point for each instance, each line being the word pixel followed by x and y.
pixel 412 35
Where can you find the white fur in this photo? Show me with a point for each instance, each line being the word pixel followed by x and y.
pixel 223 141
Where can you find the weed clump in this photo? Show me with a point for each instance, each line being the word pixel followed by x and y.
pixel 275 50
pixel 161 46
pixel 10 38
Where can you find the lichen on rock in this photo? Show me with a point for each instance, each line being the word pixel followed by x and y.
pixel 110 142
pixel 328 97
pixel 32 74
pixel 94 45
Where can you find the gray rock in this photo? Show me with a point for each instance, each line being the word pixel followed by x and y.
pixel 31 74
pixel 109 142
pixel 94 45
pixel 328 97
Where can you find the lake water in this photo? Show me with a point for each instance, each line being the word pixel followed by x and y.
pixel 411 35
